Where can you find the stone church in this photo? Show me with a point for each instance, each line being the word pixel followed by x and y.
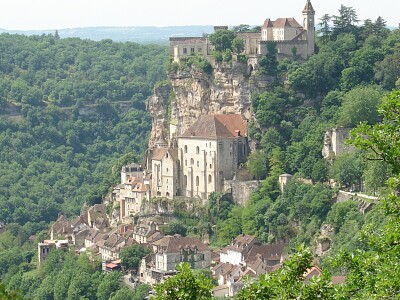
pixel 203 157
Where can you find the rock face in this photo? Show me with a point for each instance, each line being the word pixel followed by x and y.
pixel 191 93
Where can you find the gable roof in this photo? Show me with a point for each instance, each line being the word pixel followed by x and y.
pixel 308 7
pixel 286 22
pixel 271 252
pixel 217 126
pixel 173 244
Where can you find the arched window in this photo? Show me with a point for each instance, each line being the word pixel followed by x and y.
pixel 185 181
pixel 197 180
pixel 197 150
pixel 185 149
pixel 198 163
pixel 191 161
pixel 209 178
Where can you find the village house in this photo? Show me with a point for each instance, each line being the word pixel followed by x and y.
pixel 245 256
pixel 45 248
pixel 147 233
pixel 171 251
pixel 291 38
pixel 131 192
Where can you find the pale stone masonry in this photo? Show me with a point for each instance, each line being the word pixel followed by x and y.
pixel 287 33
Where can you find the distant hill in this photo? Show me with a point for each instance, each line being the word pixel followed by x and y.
pixel 144 35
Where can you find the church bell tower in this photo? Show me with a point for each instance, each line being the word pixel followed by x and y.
pixel 309 25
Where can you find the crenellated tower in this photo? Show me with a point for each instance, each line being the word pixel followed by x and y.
pixel 309 25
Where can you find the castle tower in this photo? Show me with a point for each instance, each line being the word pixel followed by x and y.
pixel 309 25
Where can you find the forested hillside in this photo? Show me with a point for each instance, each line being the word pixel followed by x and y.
pixel 54 158
pixel 83 116
pixel 72 113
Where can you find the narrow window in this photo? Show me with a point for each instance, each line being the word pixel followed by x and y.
pixel 209 178
pixel 197 150
pixel 197 181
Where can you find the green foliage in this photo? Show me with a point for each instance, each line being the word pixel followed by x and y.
pixel 184 285
pixel 257 165
pixel 4 295
pixel 360 104
pixel 372 273
pixel 269 63
pixel 219 206
pixel 347 169
pixel 176 227
pixel 288 282
pixel 71 156
pixel 131 256
pixel 222 40
pixel 238 45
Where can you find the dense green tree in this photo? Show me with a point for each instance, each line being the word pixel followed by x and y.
pixel 325 28
pixel 222 40
pixel 257 165
pixel 268 64
pixel 131 256
pixel 345 22
pixel 109 285
pixel 373 273
pixel 360 104
pixel 184 285
pixel 241 28
pixel 347 169
pixel 238 45
pixel 375 175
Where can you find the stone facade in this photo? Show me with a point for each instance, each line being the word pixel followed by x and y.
pixel 171 251
pixel 334 142
pixel 205 155
pixel 287 33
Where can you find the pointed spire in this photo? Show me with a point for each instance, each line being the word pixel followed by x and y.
pixel 308 8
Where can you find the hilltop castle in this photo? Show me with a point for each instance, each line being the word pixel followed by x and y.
pixel 287 33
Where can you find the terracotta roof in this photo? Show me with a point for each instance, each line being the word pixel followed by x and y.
pixel 217 126
pixel 140 187
pixel 268 252
pixel 267 23
pixel 159 153
pixel 308 7
pixel 173 244
pixel 241 242
pixel 286 22
pixel 313 271
pixel 338 279
pixel 62 226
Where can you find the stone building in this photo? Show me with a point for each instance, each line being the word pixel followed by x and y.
pixel 290 38
pixel 165 172
pixel 132 191
pixel 210 151
pixel 334 142
pixel 171 251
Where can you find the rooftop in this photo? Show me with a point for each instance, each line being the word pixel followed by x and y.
pixel 217 126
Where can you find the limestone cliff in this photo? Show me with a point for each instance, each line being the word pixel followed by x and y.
pixel 190 93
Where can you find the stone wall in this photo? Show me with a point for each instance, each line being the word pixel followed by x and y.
pixel 284 49
pixel 241 190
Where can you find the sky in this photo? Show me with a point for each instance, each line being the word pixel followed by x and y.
pixel 60 14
